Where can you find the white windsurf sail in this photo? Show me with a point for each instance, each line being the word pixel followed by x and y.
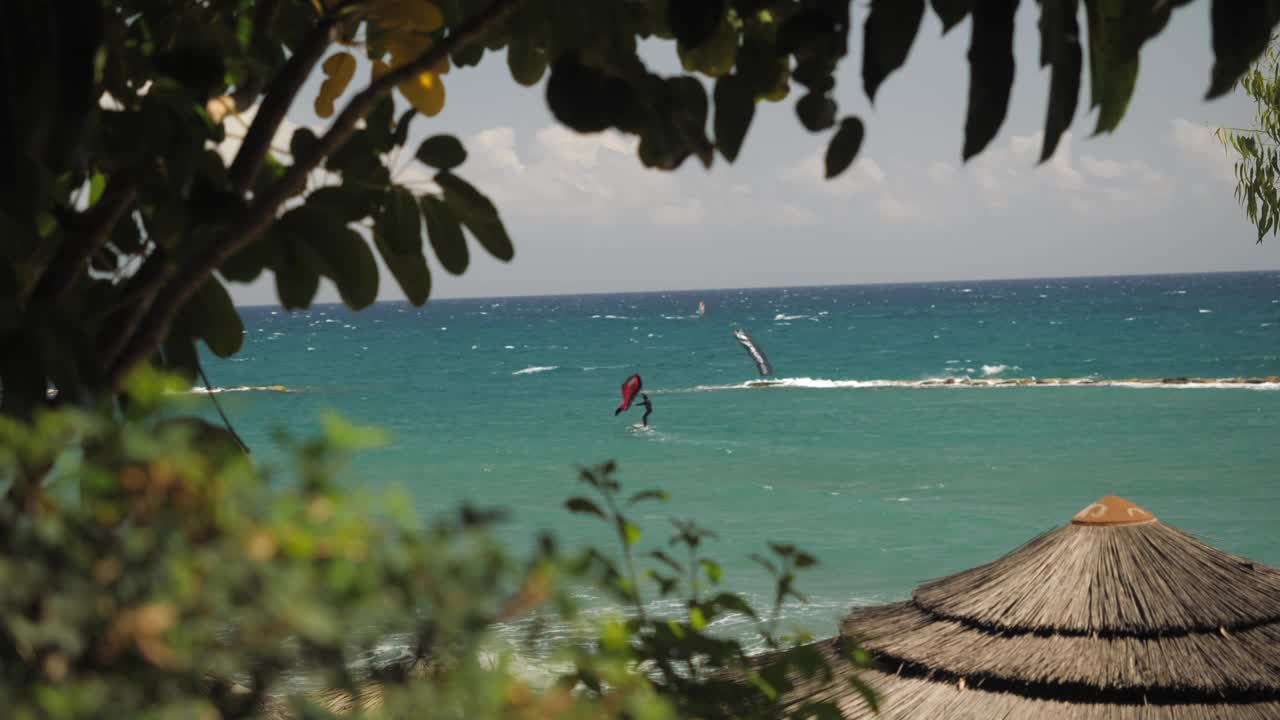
pixel 757 355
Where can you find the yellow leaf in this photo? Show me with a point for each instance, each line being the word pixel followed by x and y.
pixel 420 15
pixel 338 69
pixel 324 105
pixel 424 92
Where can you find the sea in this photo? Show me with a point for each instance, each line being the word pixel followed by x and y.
pixel 913 431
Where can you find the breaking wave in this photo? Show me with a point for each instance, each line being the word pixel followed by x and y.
pixel 536 369
pixel 246 388
pixel 1179 383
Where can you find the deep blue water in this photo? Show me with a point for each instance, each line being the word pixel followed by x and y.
pixel 888 482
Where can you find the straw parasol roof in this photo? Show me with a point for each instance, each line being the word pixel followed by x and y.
pixel 1115 615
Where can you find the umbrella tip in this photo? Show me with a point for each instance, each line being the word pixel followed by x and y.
pixel 1113 510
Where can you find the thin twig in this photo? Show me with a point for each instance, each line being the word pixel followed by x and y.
pixel 218 406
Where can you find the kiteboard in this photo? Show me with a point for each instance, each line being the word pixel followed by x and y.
pixel 764 383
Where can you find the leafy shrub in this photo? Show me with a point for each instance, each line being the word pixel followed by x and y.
pixel 160 574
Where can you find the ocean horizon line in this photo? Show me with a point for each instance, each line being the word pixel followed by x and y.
pixel 693 291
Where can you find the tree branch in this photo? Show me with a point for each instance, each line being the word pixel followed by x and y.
pixel 275 105
pixel 262 213
pixel 95 227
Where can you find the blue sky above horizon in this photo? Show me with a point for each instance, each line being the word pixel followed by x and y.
pixel 1155 196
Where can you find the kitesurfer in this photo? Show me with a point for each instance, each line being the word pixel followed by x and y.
pixel 648 408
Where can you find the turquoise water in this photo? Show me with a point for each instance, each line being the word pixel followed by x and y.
pixel 888 482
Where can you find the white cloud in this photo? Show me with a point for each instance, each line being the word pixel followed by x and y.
pixel 1198 142
pixel 941 173
pixel 498 146
pixel 864 174
pixel 1101 187
pixel 895 210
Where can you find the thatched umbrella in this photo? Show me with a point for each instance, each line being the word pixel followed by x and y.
pixel 1115 615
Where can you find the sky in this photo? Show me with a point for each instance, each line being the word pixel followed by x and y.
pixel 1155 196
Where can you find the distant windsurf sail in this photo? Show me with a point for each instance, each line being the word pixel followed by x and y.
pixel 762 362
pixel 629 390
pixel 702 308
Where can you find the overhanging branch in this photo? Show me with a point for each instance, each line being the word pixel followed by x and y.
pixel 94 228
pixel 262 213
pixel 275 105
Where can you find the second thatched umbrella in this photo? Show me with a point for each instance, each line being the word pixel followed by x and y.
pixel 1115 615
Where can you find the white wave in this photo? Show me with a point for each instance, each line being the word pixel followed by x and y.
pixel 536 369
pixel 508 347
pixel 1231 383
pixel 989 370
pixel 781 316
pixel 244 388
pixel 1205 311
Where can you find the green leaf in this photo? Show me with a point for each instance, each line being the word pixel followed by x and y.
pixel 1060 46
pixel 990 72
pixel 630 533
pixel 666 560
pixel 443 152
pixel 359 161
pixel 215 319
pixel 694 21
pixel 844 146
pixel 348 261
pixel 379 123
pixel 950 12
pixel 1117 32
pixel 712 569
pixel 296 280
pixel 659 495
pixel 401 134
pixel 688 98
pixel 583 505
pixel 891 28
pixel 1241 31
pixel 816 111
pixel 477 213
pixel 734 602
pixel 346 203
pixel 583 97
pixel 697 620
pixel 526 61
pixel 180 356
pixel 301 143
pixel 349 436
pixel 409 269
pixel 399 224
pixel 735 107
pixel 445 234
pixel 97 184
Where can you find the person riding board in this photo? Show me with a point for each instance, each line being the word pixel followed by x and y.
pixel 648 408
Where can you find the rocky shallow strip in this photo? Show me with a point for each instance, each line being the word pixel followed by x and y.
pixel 1268 380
